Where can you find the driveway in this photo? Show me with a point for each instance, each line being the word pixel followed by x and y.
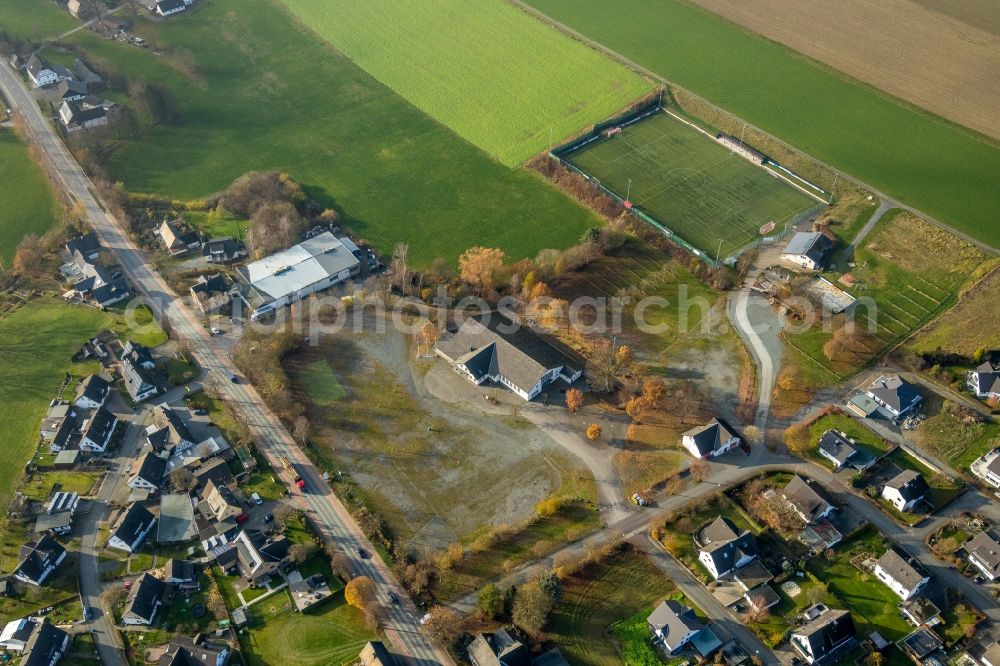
pixel 759 328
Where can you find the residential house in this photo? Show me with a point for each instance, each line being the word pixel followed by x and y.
pixel 710 440
pixel 675 625
pixel 177 241
pixel 724 548
pixel 70 91
pixel 63 502
pixel 40 72
pixel 984 381
pixel 825 638
pixel 139 355
pixel 147 472
pixel 144 601
pixel 222 502
pixel 313 265
pixel 168 432
pixel 215 470
pixel 895 396
pixel 809 249
pixel 66 435
pixel 58 412
pixel 212 294
pixel 493 349
pixel 258 556
pixel 76 116
pixel 180 572
pixel 920 644
pixel 97 284
pixel 76 8
pixel 374 653
pixel 92 392
pixel 39 560
pixel 919 611
pixel 840 450
pixel 132 528
pixel 499 648
pixel 87 245
pixel 989 655
pixel 192 456
pixel 16 633
pixel 177 521
pixel 136 374
pixel 112 25
pixel 86 75
pixel 808 499
pixel 197 651
pixel 905 490
pixel 97 431
pixel 46 645
pixel 983 550
pixel 223 250
pixel 903 574
pixel 57 523
pixel 170 7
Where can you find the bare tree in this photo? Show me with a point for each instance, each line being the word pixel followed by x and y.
pixel 399 267
pixel 282 514
pixel 300 429
pixel 182 479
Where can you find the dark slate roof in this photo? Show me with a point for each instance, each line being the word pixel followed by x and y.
pixel 726 545
pixel 36 554
pixel 113 291
pixel 711 436
pixel 812 244
pixel 150 468
pixel 166 6
pixel 985 548
pixel 520 355
pixel 86 244
pixel 167 418
pixel 838 446
pixel 895 392
pixel 904 569
pixel 180 569
pixel 827 633
pixel 81 115
pixel 674 620
pixel 68 88
pixel 86 74
pixel 217 284
pixel 226 246
pixel 65 432
pixel 45 645
pixel 911 485
pixel 100 425
pixel 215 470
pixel 136 518
pixel 197 651
pixel 94 388
pixel 35 64
pixel 501 648
pixel 808 497
pixel 145 593
pixel 138 354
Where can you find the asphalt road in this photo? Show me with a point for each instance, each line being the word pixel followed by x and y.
pixel 325 510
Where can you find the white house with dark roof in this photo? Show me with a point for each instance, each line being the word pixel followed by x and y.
pixel 285 277
pixel 494 349
pixel 894 396
pixel 40 72
pixel 87 245
pixel 77 116
pixel 46 645
pixel 144 601
pixel 211 294
pixel 98 430
pixel 674 625
pixel 984 381
pixel 168 432
pixel 39 560
pixel 808 249
pixel 724 548
pixel 132 528
pixel 903 574
pixel 92 392
pixel 137 378
pixel 170 7
pixel 147 472
pixel 905 490
pixel 842 451
pixel 808 499
pixel 223 250
pixel 197 651
pixel 826 637
pixel 710 440
pixel 983 551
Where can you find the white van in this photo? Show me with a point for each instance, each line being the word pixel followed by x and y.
pixel 256 498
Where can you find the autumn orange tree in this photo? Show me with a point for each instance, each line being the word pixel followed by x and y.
pixel 593 432
pixel 574 399
pixel 477 267
pixel 29 256
pixel 607 363
pixel 360 593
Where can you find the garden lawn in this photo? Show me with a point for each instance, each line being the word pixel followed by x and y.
pixel 925 161
pixel 604 600
pixel 334 634
pixel 943 489
pixel 864 438
pixel 37 342
pixel 35 19
pixel 253 100
pixel 502 80
pixel 27 205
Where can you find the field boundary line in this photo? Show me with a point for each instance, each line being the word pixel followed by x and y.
pixel 631 64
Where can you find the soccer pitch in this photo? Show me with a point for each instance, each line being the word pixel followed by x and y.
pixel 690 184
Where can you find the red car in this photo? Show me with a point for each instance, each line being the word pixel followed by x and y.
pixel 242 518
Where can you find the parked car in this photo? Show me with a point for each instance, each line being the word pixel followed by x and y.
pixel 269 517
pixel 201 412
pixel 215 330
pixel 393 597
pixel 362 553
pixel 234 379
pixel 639 500
pixel 256 499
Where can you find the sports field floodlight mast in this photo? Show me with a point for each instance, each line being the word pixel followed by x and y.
pixel 628 191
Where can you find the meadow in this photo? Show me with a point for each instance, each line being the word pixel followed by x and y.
pixel 249 98
pixel 940 168
pixel 712 198
pixel 35 19
pixel 502 80
pixel 37 342
pixel 27 205
pixel 967 326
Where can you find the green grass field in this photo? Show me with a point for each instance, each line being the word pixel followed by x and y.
pixel 333 634
pixel 321 384
pixel 690 183
pixel 27 205
pixel 936 166
pixel 35 19
pixel 37 342
pixel 502 80
pixel 267 93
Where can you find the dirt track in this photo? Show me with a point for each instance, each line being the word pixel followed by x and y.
pixel 937 54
